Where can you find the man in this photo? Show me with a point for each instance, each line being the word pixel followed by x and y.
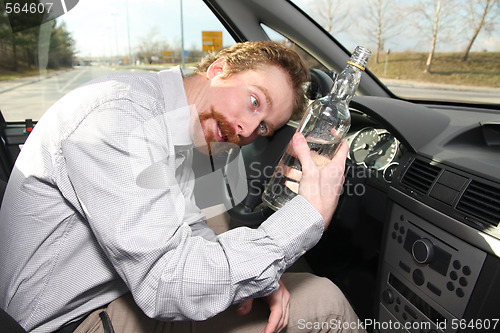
pixel 99 227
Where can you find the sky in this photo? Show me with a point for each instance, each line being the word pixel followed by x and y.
pixel 103 28
pixel 406 36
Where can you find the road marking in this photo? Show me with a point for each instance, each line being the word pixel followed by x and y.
pixel 72 80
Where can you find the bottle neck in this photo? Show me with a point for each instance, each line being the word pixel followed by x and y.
pixel 347 82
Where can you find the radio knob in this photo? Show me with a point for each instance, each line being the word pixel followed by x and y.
pixel 387 296
pixel 423 251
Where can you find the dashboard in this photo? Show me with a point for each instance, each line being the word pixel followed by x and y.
pixel 440 164
pixel 438 153
pixel 375 149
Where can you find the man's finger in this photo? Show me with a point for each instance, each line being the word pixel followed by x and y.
pixel 244 307
pixel 336 167
pixel 275 318
pixel 279 304
pixel 286 310
pixel 341 154
pixel 302 151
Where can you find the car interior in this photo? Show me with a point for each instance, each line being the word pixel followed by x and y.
pixel 416 235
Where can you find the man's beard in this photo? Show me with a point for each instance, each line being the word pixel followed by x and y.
pixel 213 146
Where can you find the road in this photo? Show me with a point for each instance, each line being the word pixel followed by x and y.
pixel 445 92
pixel 31 97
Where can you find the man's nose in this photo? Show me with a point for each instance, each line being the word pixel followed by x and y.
pixel 247 127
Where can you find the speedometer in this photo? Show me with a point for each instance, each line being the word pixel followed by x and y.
pixel 362 144
pixel 383 152
pixel 373 148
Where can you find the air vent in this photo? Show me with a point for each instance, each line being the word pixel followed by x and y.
pixel 420 175
pixel 481 201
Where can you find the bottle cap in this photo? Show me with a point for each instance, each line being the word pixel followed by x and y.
pixel 360 57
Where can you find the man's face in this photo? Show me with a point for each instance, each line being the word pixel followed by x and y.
pixel 243 106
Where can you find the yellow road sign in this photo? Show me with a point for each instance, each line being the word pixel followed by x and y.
pixel 212 40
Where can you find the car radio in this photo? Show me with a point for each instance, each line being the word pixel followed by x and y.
pixel 427 275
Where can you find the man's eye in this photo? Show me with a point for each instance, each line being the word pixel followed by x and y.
pixel 254 101
pixel 262 128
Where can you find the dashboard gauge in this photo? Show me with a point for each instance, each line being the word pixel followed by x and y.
pixel 362 144
pixel 389 171
pixel 383 152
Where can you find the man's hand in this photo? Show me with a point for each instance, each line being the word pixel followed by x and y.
pixel 321 186
pixel 279 304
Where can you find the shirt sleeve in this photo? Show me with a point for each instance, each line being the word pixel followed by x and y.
pixel 122 168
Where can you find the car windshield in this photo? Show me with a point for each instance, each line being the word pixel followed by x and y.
pixel 46 51
pixel 443 50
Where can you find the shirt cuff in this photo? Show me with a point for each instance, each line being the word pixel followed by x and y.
pixel 296 228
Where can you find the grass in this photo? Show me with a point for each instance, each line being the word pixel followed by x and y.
pixel 480 69
pixel 10 75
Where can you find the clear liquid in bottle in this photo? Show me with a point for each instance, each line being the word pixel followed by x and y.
pixel 324 125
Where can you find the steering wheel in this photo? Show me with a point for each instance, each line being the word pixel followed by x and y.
pixel 260 159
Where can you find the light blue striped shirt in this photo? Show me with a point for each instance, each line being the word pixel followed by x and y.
pixel 100 202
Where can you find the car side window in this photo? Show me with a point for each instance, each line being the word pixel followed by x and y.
pixel 41 64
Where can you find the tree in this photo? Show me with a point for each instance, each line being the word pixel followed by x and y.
pixel 20 50
pixel 437 17
pixel 477 16
pixel 382 22
pixel 150 45
pixel 61 48
pixel 331 14
pixel 435 30
pixel 18 37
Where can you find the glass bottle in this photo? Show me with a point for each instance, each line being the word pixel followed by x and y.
pixel 324 125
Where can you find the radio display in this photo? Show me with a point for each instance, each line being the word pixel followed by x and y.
pixel 414 299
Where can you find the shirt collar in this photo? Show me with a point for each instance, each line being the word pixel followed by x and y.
pixel 177 110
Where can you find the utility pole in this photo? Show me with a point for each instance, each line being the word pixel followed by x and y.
pixel 182 40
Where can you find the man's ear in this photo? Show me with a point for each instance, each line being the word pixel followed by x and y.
pixel 216 68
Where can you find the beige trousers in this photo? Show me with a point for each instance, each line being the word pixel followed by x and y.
pixel 316 305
